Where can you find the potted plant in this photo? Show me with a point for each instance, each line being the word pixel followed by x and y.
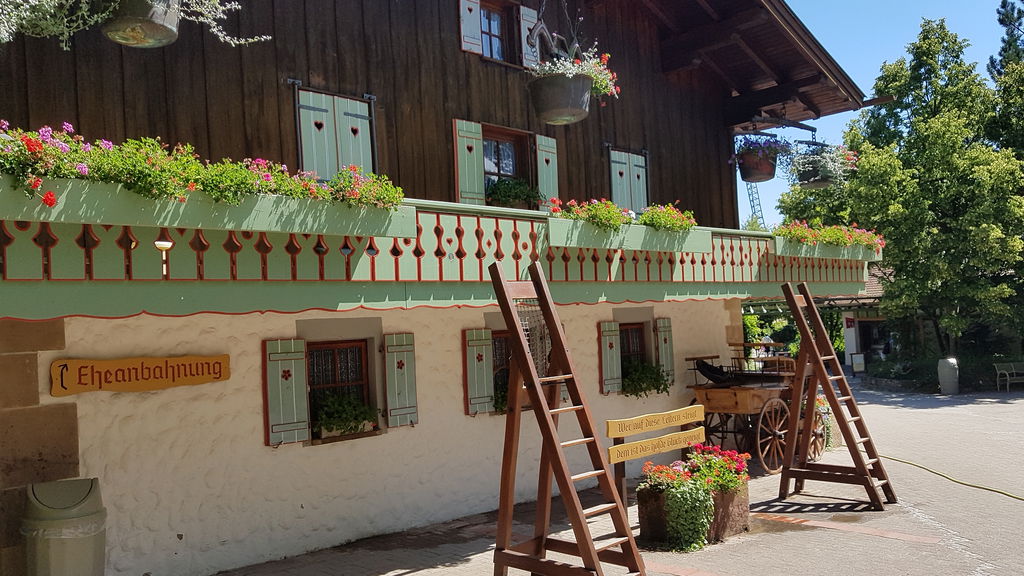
pixel 757 156
pixel 814 240
pixel 699 500
pixel 139 23
pixel 822 166
pixel 513 193
pixel 562 85
pixel 641 379
pixel 341 414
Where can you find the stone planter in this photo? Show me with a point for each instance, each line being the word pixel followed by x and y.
pixel 561 100
pixel 732 514
pixel 144 23
pixel 580 234
pixel 756 167
pixel 86 202
pixel 788 247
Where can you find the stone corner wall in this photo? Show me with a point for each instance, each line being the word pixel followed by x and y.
pixel 38 443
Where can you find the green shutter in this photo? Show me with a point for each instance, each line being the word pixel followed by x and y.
pixel 479 371
pixel 354 133
pixel 637 182
pixel 400 370
pixel 611 360
pixel 469 162
pixel 318 134
pixel 666 358
pixel 530 55
pixel 469 14
pixel 286 405
pixel 547 166
pixel 620 179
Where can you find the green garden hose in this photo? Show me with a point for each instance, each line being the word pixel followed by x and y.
pixel 951 479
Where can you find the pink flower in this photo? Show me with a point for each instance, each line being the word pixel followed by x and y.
pixel 86 147
pixel 61 146
pixel 68 128
pixel 106 144
pixel 82 168
pixel 45 133
pixel 4 125
pixel 267 177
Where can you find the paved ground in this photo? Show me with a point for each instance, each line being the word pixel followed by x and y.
pixel 937 528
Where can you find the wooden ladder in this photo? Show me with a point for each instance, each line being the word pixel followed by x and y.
pixel 817 363
pixel 528 310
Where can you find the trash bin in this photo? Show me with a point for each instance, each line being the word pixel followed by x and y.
pixel 949 376
pixel 65 528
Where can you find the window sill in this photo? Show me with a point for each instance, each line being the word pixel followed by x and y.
pixel 333 439
pixel 503 63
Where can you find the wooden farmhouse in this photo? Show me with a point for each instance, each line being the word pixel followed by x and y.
pixel 189 354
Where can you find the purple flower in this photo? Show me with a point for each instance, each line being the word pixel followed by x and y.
pixel 82 168
pixel 61 146
pixel 4 125
pixel 45 133
pixel 86 147
pixel 106 144
pixel 68 128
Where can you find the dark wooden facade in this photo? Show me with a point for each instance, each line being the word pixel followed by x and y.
pixel 237 102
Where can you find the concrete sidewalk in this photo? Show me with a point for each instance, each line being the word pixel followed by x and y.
pixel 936 528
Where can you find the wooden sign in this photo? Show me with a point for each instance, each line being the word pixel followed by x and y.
pixel 75 375
pixel 644 448
pixel 652 422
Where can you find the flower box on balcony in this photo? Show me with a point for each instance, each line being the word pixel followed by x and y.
pixel 789 247
pixel 579 234
pixel 87 202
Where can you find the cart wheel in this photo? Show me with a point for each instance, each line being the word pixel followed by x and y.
pixel 772 427
pixel 817 445
pixel 744 432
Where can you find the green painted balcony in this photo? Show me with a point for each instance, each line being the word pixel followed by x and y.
pixel 104 251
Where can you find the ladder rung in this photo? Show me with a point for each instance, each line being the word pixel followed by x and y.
pixel 844 398
pixel 871 461
pixel 557 378
pixel 828 357
pixel 599 509
pixel 834 378
pixel 571 408
pixel 853 419
pixel 586 475
pixel 576 442
pixel 862 440
pixel 879 483
pixel 601 545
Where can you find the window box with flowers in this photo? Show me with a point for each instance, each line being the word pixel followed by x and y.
pixel 758 156
pixel 803 240
pixel 144 183
pixel 693 502
pixel 822 166
pixel 602 224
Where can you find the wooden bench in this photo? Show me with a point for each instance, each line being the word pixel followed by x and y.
pixel 1009 372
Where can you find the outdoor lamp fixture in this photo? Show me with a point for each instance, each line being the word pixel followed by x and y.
pixel 163 242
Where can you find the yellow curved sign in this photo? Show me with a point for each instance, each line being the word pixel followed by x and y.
pixel 76 375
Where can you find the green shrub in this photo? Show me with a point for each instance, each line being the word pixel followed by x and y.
pixel 640 379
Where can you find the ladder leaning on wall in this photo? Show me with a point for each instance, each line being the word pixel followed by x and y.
pixel 539 347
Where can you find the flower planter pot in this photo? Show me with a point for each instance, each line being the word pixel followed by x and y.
pixel 561 100
pixel 144 23
pixel 732 514
pixel 789 247
pixel 756 167
pixel 85 202
pixel 580 234
pixel 812 179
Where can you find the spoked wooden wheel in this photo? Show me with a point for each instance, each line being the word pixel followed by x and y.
pixel 817 445
pixel 717 427
pixel 772 426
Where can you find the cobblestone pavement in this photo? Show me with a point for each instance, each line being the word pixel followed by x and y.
pixel 937 528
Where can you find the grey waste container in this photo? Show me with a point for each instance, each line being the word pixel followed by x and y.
pixel 65 528
pixel 949 376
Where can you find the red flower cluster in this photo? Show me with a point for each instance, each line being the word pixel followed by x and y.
pixel 32 145
pixel 49 199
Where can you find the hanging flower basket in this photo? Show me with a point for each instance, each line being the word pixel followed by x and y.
pixel 756 166
pixel 144 23
pixel 812 178
pixel 561 100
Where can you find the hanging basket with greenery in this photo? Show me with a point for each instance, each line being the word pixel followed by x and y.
pixel 821 166
pixel 757 157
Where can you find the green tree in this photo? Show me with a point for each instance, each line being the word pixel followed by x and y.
pixel 943 196
pixel 753 224
pixel 1010 16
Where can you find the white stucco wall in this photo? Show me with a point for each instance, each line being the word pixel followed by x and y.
pixel 191 489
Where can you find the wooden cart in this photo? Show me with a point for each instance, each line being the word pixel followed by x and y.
pixel 756 417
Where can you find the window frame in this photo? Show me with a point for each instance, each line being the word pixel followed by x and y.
pixel 638 355
pixel 364 383
pixel 524 169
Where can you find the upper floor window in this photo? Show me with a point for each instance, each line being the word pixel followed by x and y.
pixel 494 37
pixel 500 157
pixel 334 132
pixel 485 154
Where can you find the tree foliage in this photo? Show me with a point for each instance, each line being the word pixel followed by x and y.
pixel 1010 16
pixel 931 182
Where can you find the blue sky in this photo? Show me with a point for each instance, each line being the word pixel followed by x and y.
pixel 862 35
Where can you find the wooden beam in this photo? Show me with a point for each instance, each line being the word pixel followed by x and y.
pixel 681 48
pixel 756 58
pixel 709 10
pixel 660 15
pixel 714 67
pixel 741 108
